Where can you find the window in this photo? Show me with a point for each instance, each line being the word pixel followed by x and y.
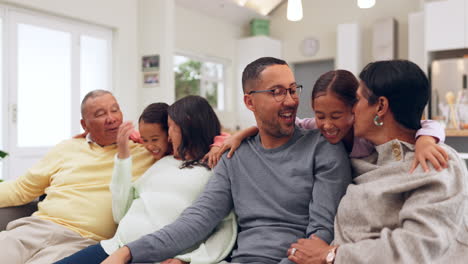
pixel 195 76
pixel 95 64
pixel 44 68
pixel 51 64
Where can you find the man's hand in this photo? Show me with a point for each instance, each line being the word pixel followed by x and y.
pixel 426 149
pixel 174 261
pixel 125 129
pixel 121 256
pixel 309 251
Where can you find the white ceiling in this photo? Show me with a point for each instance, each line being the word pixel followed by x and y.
pixel 231 10
pixel 264 7
pixel 226 9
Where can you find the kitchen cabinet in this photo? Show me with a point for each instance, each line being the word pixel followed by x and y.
pixel 349 48
pixel 466 23
pixel 416 51
pixel 445 25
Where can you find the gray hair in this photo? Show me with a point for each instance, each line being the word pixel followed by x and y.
pixel 91 95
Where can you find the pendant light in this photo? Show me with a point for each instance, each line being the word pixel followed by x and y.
pixel 294 12
pixel 366 3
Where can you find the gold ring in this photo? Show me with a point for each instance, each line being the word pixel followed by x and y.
pixel 293 251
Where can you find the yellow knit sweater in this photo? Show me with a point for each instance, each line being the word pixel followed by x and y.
pixel 75 175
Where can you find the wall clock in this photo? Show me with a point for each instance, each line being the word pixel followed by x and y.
pixel 310 46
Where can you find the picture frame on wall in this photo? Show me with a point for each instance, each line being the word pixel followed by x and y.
pixel 150 70
pixel 150 79
pixel 150 63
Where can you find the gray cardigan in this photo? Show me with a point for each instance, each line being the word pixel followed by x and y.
pixel 391 216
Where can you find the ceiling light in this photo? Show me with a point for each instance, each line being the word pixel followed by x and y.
pixel 241 2
pixel 366 3
pixel 294 12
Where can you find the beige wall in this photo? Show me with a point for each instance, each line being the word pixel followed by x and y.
pixel 200 34
pixel 203 34
pixel 121 17
pixel 321 18
pixel 156 37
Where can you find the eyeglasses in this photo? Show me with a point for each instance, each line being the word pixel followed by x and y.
pixel 280 93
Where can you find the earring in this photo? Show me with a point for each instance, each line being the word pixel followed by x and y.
pixel 377 121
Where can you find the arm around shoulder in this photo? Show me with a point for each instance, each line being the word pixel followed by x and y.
pixel 306 123
pixel 432 128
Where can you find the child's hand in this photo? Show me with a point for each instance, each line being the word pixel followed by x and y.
pixel 215 153
pixel 125 129
pixel 136 137
pixel 212 157
pixel 231 143
pixel 427 149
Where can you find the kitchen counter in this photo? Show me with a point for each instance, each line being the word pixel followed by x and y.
pixel 456 133
pixel 459 142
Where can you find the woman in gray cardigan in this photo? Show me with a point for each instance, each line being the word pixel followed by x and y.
pixel 389 215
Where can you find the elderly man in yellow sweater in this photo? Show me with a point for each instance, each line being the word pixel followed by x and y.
pixel 75 175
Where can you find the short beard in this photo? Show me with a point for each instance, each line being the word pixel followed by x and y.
pixel 277 132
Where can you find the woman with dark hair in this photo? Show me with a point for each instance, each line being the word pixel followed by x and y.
pixel 160 195
pixel 388 215
pixel 203 126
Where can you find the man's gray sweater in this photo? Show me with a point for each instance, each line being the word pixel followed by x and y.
pixel 278 195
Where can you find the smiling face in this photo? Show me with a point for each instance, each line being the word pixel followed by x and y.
pixel 102 118
pixel 276 119
pixel 155 139
pixel 334 118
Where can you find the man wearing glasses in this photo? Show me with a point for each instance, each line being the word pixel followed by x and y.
pixel 283 184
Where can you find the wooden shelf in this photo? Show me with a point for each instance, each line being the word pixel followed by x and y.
pixel 456 133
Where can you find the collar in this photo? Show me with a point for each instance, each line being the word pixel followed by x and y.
pixel 393 151
pixel 295 136
pixel 89 139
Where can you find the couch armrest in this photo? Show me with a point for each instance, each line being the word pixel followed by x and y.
pixel 8 214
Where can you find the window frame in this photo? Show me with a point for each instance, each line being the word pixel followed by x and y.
pixel 13 16
pixel 221 101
